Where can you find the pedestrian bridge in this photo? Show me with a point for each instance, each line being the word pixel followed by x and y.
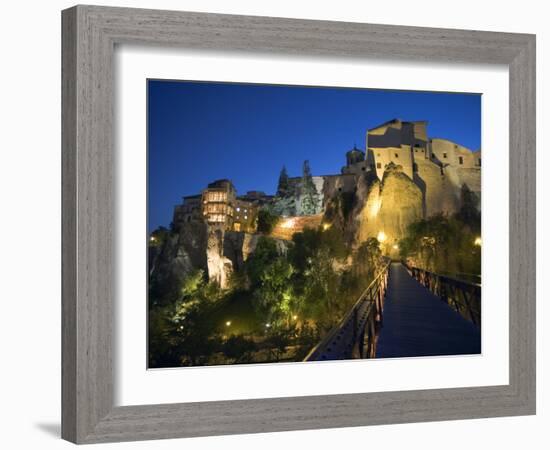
pixel 407 312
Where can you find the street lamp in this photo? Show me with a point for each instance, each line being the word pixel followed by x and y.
pixel 228 323
pixel 478 241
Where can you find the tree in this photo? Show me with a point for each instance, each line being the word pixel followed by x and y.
pixel 239 348
pixel 283 188
pixel 274 299
pixel 368 256
pixel 468 213
pixel 264 253
pixel 442 244
pixel 266 221
pixel 310 197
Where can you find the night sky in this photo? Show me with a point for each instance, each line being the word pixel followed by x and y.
pixel 199 132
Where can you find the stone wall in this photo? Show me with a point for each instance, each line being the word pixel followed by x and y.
pixel 401 155
pixel 449 153
pixel 289 225
pixel 440 195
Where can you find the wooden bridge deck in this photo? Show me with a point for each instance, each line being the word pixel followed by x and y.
pixel 417 323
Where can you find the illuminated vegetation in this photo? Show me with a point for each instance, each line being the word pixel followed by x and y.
pixel 276 309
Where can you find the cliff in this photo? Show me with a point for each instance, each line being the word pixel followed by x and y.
pixel 384 209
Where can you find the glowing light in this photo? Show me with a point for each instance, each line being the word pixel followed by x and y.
pixel 288 223
pixel 295 317
pixel 477 241
pixel 228 323
pixel 395 247
pixel 267 325
pixel 326 226
pixel 153 239
pixel 374 208
pixel 381 236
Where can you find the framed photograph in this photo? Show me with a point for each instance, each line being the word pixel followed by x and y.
pixel 277 224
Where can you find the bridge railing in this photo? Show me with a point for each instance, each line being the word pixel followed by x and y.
pixel 464 297
pixel 356 334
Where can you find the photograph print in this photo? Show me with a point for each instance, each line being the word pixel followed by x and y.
pixel 301 223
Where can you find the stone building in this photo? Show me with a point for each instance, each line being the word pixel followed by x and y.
pixel 219 206
pixel 218 203
pixel 188 211
pixel 396 142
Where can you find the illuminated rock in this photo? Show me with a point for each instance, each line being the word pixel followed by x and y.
pixel 219 266
pixel 385 209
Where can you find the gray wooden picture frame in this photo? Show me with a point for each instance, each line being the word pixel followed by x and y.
pixel 90 34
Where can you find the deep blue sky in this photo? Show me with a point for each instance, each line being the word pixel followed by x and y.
pixel 199 132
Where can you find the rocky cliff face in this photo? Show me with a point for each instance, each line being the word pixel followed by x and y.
pixel 179 254
pixel 196 246
pixel 440 194
pixel 219 266
pixel 387 207
pixel 238 246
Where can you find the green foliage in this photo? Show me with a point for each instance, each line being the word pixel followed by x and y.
pixel 300 293
pixel 443 244
pixel 267 221
pixel 469 213
pixel 310 198
pixel 274 296
pixel 239 349
pixel 368 256
pixel 192 283
pixel 179 333
pixel 265 252
pixel 284 206
pixel 159 236
pixel 283 187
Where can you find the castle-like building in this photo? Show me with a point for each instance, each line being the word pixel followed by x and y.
pixel 439 167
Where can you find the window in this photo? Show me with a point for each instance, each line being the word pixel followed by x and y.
pixel 363 168
pixel 460 160
pixel 378 165
pixel 444 155
pixel 216 218
pixel 397 155
pixel 237 226
pixel 217 196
